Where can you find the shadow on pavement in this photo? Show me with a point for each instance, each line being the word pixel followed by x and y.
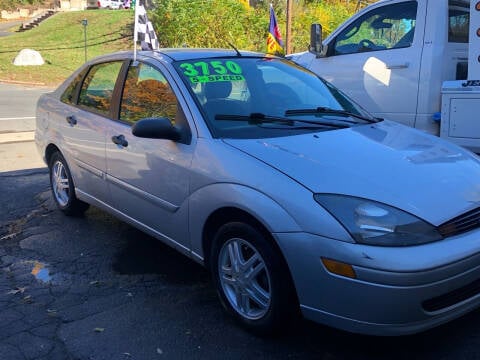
pixel 144 254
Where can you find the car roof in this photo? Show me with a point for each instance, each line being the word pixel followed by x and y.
pixel 178 54
pixel 181 54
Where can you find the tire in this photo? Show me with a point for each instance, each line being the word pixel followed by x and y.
pixel 63 189
pixel 264 302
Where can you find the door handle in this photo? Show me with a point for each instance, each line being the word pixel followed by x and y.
pixel 120 140
pixel 71 120
pixel 397 66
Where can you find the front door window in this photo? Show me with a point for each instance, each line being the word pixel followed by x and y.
pixel 383 28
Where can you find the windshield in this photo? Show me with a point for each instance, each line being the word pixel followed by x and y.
pixel 239 96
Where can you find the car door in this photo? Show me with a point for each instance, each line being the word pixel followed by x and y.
pixel 85 127
pixel 375 60
pixel 149 178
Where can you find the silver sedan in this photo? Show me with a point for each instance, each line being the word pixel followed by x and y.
pixel 295 198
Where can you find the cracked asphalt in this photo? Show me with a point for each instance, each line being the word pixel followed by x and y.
pixel 96 288
pixel 71 288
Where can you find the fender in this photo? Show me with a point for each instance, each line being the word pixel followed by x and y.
pixel 208 199
pixel 46 124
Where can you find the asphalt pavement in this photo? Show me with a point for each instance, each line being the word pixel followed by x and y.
pixel 7 26
pixel 17 106
pixel 17 125
pixel 95 288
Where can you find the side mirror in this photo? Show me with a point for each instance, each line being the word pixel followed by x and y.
pixel 156 128
pixel 316 46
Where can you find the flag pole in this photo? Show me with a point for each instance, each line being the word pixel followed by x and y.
pixel 135 32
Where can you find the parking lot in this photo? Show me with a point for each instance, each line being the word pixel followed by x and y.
pixel 96 288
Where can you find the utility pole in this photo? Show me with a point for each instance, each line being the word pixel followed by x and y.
pixel 85 23
pixel 288 40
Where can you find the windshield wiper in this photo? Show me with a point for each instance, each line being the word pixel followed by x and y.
pixel 256 118
pixel 260 118
pixel 321 110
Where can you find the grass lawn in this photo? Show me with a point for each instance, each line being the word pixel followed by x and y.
pixel 60 41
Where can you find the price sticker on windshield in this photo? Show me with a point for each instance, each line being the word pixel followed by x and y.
pixel 212 71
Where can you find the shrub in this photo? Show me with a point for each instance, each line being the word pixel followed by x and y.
pixel 210 23
pixel 14 4
pixel 216 23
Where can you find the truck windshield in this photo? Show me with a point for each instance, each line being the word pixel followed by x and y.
pixel 229 90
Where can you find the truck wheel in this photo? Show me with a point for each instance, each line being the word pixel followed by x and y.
pixel 251 279
pixel 62 187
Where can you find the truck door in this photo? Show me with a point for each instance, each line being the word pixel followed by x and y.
pixel 376 57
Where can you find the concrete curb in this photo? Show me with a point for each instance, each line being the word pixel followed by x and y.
pixel 17 137
pixel 19 82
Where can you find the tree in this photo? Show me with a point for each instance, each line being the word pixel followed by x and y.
pixel 15 4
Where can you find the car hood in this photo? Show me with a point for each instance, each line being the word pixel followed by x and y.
pixel 386 162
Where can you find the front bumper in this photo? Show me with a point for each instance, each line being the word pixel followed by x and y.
pixel 397 291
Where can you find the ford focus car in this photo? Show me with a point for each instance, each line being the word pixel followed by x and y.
pixel 294 197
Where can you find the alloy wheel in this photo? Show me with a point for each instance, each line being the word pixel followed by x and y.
pixel 244 278
pixel 60 183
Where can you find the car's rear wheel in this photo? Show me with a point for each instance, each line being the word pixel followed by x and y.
pixel 62 186
pixel 251 278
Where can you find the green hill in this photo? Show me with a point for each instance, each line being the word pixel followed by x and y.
pixel 60 40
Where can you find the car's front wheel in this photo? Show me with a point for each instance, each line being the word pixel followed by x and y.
pixel 251 278
pixel 62 187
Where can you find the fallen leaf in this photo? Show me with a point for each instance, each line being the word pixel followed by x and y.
pixel 99 329
pixel 9 236
pixel 17 290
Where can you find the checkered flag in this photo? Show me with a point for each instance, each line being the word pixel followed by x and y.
pixel 145 33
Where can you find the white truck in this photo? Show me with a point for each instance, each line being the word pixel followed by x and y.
pixel 408 61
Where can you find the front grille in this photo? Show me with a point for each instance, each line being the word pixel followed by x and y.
pixel 461 224
pixel 453 297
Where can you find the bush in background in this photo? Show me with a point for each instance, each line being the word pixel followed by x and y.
pixel 329 13
pixel 14 4
pixel 215 23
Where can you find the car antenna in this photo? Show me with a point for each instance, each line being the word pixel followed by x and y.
pixel 234 48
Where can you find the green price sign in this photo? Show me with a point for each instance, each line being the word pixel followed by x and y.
pixel 215 70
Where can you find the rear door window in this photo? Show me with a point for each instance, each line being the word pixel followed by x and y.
pixel 147 94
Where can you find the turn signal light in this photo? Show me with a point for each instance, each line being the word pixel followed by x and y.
pixel 339 268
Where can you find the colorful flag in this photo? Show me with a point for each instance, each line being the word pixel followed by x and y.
pixel 274 39
pixel 144 29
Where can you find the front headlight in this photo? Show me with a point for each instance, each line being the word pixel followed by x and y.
pixel 373 223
